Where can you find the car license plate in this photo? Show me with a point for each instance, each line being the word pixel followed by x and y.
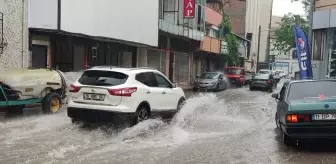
pixel 324 116
pixel 92 96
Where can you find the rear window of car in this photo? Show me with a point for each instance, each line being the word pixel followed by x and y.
pixel 261 76
pixel 312 90
pixel 102 78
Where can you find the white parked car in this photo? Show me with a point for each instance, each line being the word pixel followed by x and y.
pixel 282 73
pixel 107 93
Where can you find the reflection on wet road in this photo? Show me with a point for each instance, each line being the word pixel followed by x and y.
pixel 232 126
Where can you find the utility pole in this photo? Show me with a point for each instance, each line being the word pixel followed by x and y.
pixel 310 29
pixel 258 50
pixel 268 48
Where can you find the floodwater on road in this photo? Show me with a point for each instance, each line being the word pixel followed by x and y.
pixel 232 126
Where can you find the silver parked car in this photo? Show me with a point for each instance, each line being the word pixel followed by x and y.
pixel 211 81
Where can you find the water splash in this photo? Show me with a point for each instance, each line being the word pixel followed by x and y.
pixel 53 138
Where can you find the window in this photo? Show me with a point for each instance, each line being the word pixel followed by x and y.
pixel 283 92
pixel 147 78
pixel 157 59
pixel 232 71
pixel 208 75
pixel 102 78
pixel 212 33
pixel 299 91
pixel 181 68
pixel 162 82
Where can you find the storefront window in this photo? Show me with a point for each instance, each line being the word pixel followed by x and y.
pixel 181 68
pixel 157 59
pixel 331 40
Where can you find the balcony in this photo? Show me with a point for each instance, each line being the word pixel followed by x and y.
pixel 213 17
pixel 171 19
pixel 210 45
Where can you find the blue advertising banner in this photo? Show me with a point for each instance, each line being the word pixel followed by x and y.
pixel 303 55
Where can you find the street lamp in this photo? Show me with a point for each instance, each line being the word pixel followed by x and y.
pixel 259 35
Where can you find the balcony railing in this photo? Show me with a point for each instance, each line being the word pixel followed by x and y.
pixel 210 44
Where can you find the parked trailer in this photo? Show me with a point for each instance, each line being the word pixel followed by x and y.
pixel 22 88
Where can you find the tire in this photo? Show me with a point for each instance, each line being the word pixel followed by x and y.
pixel 141 114
pixel 217 88
pixel 251 88
pixel 51 103
pixel 180 104
pixel 287 140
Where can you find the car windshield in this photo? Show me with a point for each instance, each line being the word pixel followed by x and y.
pixel 208 75
pixel 261 76
pixel 232 71
pixel 102 78
pixel 312 90
pixel 264 72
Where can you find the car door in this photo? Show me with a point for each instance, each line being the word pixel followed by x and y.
pixel 153 94
pixel 281 102
pixel 170 99
pixel 272 80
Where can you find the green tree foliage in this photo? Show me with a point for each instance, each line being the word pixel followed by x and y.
pixel 284 35
pixel 233 45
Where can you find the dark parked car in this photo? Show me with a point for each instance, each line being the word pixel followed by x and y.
pixel 306 109
pixel 263 81
pixel 211 81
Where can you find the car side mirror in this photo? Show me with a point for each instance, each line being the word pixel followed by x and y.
pixel 220 78
pixel 275 95
pixel 174 85
pixel 197 77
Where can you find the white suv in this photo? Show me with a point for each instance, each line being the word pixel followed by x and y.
pixel 107 93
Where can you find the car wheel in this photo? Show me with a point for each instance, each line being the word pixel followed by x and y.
pixel 180 104
pixel 251 88
pixel 286 140
pixel 141 114
pixel 51 103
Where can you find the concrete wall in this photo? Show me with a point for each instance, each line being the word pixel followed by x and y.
pixel 15 33
pixel 265 13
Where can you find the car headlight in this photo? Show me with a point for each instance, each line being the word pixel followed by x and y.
pixel 213 82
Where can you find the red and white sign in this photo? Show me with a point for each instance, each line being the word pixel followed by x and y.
pixel 189 9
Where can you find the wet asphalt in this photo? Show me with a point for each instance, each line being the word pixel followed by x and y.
pixel 235 126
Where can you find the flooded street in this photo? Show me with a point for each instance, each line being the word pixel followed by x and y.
pixel 232 126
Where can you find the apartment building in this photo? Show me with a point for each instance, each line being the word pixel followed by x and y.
pixel 258 13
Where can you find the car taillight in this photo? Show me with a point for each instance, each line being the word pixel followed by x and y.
pixel 74 88
pixel 267 81
pixel 123 91
pixel 295 118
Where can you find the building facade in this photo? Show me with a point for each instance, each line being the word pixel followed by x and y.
pixel 324 39
pixel 258 13
pixel 72 40
pixel 13 35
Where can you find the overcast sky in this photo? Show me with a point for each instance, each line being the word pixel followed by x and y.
pixel 282 7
